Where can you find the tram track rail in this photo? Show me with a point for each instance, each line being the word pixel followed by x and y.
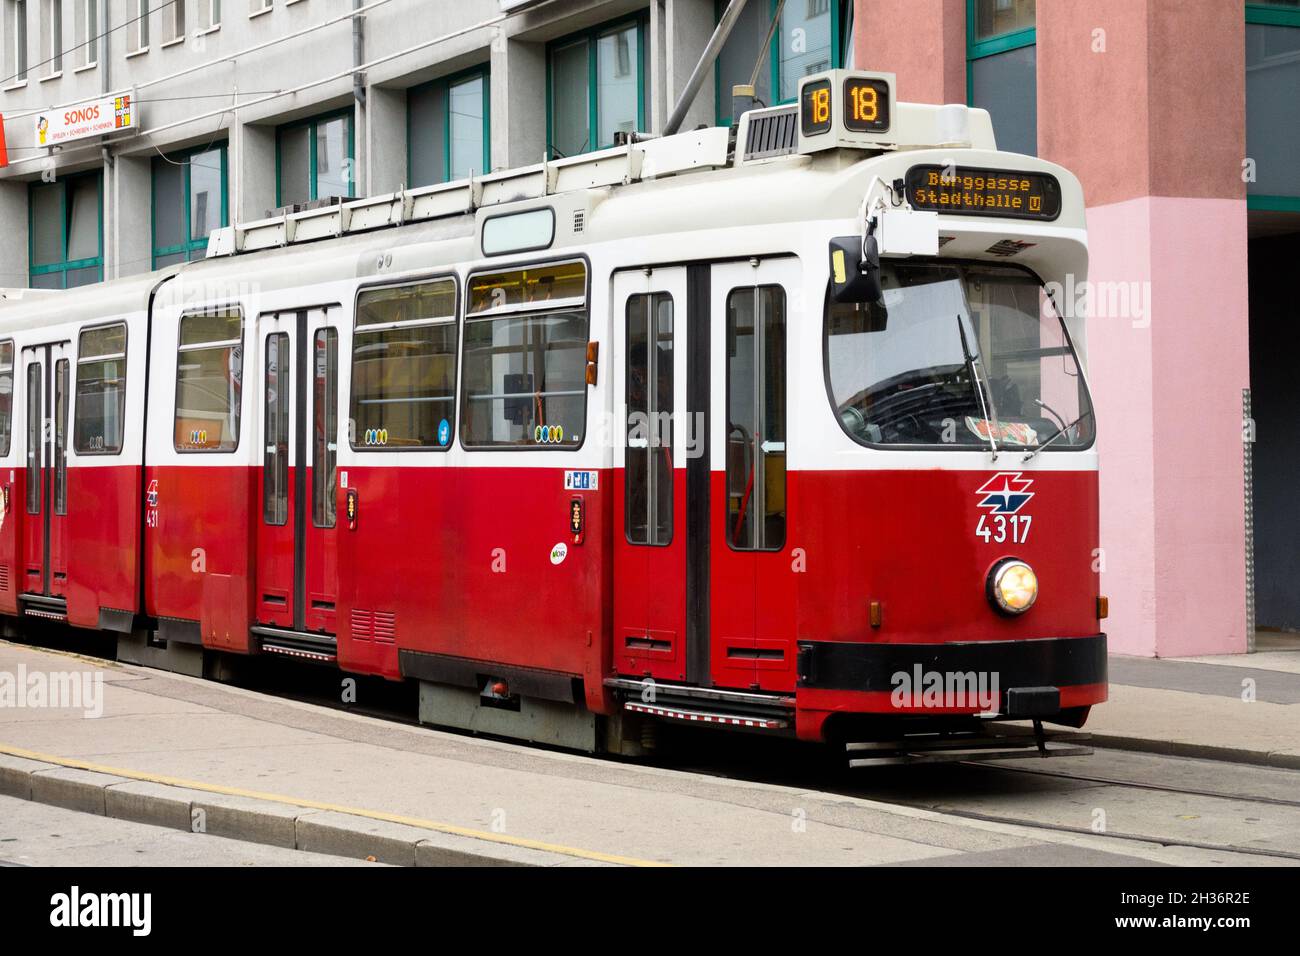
pixel 1138 785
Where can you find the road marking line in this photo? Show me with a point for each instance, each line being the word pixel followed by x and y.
pixel 448 828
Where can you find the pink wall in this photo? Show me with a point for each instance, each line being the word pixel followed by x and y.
pixel 923 41
pixel 1129 101
pixel 1167 387
pixel 1124 89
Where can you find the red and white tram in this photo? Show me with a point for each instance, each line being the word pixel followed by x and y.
pixel 780 430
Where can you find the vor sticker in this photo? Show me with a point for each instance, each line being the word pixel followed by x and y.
pixel 559 553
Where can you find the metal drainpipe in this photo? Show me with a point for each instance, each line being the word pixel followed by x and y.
pixel 360 144
pixel 108 178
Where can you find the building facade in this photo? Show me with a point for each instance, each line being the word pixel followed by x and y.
pixel 1179 117
pixel 240 107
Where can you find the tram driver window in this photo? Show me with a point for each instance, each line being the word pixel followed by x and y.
pixel 101 391
pixel 404 367
pixel 953 355
pixel 209 381
pixel 526 359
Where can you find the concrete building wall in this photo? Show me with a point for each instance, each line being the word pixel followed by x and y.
pixel 235 84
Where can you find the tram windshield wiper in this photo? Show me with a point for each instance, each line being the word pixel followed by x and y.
pixel 971 361
pixel 1055 435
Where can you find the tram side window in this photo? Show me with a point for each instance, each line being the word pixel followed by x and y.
pixel 404 367
pixel 325 427
pixel 648 473
pixel 209 377
pixel 279 393
pixel 526 358
pixel 6 396
pixel 756 501
pixel 101 391
pixel 61 437
pixel 35 445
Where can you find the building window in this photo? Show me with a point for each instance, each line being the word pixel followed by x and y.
pixel 1272 78
pixel 66 232
pixel 809 37
pixel 139 26
pixel 86 33
pixel 595 87
pixel 52 36
pixel 189 202
pixel 101 391
pixel 1002 69
pixel 448 129
pixel 258 6
pixel 209 376
pixel 314 159
pixel 174 22
pixel 209 14
pixel 15 36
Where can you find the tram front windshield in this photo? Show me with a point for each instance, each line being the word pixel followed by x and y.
pixel 953 355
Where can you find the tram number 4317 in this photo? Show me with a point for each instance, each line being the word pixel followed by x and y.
pixel 1000 529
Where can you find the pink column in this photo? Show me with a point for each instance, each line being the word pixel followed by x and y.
pixel 1145 101
pixel 923 41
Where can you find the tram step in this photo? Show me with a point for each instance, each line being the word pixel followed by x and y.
pixel 44 606
pixel 678 712
pixel 304 645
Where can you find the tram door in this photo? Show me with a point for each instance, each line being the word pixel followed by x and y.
pixel 649 536
pixel 46 376
pixel 297 555
pixel 754 569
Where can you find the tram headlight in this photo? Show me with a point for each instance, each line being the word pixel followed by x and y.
pixel 1012 586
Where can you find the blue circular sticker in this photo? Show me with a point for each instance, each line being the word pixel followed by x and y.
pixel 444 432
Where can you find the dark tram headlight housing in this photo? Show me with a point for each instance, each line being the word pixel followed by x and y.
pixel 1012 586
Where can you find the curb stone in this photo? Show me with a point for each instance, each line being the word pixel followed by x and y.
pixel 259 821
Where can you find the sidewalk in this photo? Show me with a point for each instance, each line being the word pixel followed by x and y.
pixel 1202 707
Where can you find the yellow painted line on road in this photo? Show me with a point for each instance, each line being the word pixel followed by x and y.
pixel 448 828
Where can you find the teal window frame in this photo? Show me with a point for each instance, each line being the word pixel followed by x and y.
pixel 64 267
pixel 190 245
pixel 978 49
pixel 1273 16
pixel 442 87
pixel 592 36
pixel 722 99
pixel 314 122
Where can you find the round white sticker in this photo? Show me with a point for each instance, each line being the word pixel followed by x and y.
pixel 559 553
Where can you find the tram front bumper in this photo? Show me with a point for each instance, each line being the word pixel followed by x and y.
pixel 1040 677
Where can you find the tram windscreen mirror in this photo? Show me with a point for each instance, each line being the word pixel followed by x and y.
pixel 855 269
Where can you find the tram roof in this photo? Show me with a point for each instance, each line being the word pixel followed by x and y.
pixel 670 185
